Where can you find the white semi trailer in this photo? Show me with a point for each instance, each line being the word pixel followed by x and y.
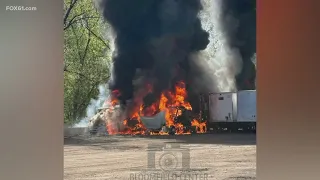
pixel 232 111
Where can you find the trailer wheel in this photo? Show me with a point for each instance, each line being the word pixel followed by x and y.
pixel 214 128
pixel 193 130
pixel 172 130
pixel 254 129
pixel 147 132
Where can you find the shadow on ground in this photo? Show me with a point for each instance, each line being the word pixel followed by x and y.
pixel 223 139
pixel 241 178
pixel 80 140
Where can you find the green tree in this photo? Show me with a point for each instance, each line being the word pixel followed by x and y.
pixel 85 57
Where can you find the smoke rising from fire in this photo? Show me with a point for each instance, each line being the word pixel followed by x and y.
pixel 206 43
pixel 94 105
pixel 227 59
pixel 154 41
pixel 238 20
pixel 220 62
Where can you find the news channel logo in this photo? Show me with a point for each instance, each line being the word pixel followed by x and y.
pixel 168 161
pixel 20 8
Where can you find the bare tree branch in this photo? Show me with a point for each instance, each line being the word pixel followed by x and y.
pixel 78 20
pixel 80 74
pixel 72 21
pixel 98 37
pixel 77 41
pixel 83 36
pixel 64 67
pixel 83 103
pixel 82 57
pixel 73 2
pixel 86 49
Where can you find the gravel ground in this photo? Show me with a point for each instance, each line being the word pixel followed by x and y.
pixel 212 156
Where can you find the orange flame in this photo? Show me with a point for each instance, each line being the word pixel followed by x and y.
pixel 168 102
pixel 201 126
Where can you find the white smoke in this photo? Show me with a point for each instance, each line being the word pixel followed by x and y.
pixel 94 105
pixel 254 60
pixel 221 62
pixel 104 93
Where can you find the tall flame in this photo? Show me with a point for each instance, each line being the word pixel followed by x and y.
pixel 168 102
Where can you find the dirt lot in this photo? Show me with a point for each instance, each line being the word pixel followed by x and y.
pixel 212 156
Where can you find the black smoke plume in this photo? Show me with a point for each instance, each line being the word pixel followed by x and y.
pixel 242 36
pixel 154 41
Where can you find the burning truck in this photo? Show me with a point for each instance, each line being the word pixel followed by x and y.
pixel 157 67
pixel 154 66
pixel 168 116
pixel 229 111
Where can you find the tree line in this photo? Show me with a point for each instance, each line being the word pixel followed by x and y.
pixel 85 57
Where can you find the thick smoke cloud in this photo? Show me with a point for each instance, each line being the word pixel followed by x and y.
pixel 160 42
pixel 153 43
pixel 239 23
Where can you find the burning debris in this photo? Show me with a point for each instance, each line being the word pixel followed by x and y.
pixel 154 41
pixel 172 114
pixel 155 67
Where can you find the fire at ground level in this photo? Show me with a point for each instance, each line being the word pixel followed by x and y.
pixel 157 46
pixel 231 156
pixel 171 114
